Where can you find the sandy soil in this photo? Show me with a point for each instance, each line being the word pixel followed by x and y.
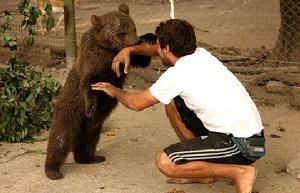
pixel 230 23
pixel 130 140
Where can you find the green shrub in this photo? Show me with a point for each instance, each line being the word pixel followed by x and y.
pixel 25 94
pixel 25 101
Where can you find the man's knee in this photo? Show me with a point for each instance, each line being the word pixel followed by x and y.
pixel 165 165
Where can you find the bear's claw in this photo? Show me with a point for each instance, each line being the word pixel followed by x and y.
pixel 91 109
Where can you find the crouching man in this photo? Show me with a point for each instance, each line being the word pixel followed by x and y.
pixel 218 124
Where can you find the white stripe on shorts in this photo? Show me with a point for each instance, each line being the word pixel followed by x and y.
pixel 204 154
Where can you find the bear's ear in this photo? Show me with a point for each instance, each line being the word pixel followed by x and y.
pixel 96 21
pixel 124 8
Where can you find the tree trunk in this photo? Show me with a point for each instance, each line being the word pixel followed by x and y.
pixel 70 32
pixel 287 47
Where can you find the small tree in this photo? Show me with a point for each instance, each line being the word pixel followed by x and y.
pixel 25 94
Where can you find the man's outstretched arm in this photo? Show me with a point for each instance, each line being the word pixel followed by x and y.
pixel 134 101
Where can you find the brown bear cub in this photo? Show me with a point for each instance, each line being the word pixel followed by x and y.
pixel 80 112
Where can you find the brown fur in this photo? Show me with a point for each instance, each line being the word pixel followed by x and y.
pixel 80 112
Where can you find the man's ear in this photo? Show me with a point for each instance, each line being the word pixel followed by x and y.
pixel 97 21
pixel 166 49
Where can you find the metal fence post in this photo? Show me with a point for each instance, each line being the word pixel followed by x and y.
pixel 172 13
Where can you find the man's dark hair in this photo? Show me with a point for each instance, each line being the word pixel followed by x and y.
pixel 179 35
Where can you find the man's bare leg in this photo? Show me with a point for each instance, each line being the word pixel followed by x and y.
pixel 183 134
pixel 243 175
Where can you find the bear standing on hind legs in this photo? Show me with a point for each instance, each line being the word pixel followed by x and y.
pixel 80 112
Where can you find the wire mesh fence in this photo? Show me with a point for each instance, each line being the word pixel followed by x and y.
pixel 257 40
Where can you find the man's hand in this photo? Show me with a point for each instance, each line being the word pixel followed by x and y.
pixel 106 87
pixel 122 57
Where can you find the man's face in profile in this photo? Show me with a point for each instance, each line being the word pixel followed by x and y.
pixel 163 56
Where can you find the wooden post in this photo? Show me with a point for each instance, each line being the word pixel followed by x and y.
pixel 70 32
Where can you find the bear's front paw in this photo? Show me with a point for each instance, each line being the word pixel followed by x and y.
pixel 90 109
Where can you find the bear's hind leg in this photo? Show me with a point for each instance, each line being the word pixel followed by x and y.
pixel 84 152
pixel 56 154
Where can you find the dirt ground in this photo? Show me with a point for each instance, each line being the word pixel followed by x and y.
pixel 131 140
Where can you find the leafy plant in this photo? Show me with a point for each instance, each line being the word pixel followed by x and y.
pixel 25 101
pixel 25 94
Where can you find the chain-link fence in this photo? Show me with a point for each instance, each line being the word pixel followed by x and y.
pixel 257 40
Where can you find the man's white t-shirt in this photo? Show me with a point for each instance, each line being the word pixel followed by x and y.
pixel 209 89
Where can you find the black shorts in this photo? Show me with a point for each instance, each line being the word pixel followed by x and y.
pixel 206 146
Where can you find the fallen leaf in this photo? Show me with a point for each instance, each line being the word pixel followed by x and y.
pixel 134 139
pixel 281 171
pixel 176 191
pixel 110 134
pixel 275 136
pixel 266 124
